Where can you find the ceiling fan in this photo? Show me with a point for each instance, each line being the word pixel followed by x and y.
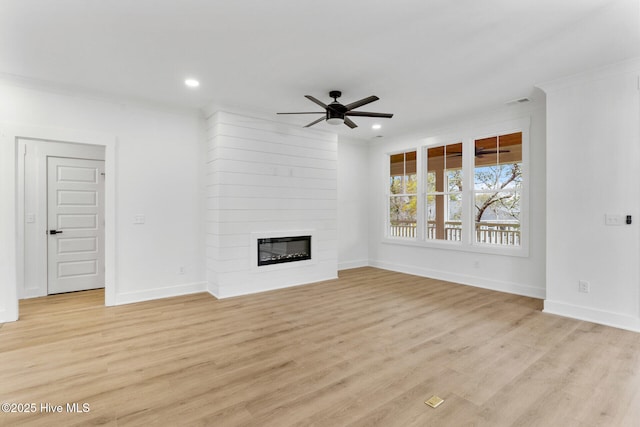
pixel 336 113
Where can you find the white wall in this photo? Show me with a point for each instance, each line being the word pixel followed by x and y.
pixel 593 158
pixel 156 167
pixel 353 194
pixel 265 177
pixel 524 275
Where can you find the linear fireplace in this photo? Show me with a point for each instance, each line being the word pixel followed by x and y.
pixel 277 250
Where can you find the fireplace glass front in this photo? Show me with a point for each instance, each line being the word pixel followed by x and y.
pixel 276 250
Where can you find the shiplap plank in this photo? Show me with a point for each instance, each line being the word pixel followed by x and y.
pixel 242 122
pixel 267 216
pixel 276 159
pixel 267 203
pixel 224 228
pixel 284 274
pixel 311 184
pixel 272 144
pixel 259 170
pixel 252 191
pixel 215 239
pixel 242 265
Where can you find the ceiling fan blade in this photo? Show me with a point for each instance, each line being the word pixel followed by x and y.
pixel 306 112
pixel 349 122
pixel 315 121
pixel 317 101
pixel 367 114
pixel 362 102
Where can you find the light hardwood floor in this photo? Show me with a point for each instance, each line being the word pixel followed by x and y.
pixel 366 349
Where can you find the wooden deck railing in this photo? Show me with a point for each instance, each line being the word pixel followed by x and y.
pixel 402 229
pixel 498 233
pixel 486 232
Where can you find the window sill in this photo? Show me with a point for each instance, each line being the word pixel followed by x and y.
pixel 519 251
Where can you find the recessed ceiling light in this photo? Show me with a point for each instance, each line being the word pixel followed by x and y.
pixel 376 126
pixel 192 83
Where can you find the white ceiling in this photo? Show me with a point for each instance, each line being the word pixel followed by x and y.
pixel 427 60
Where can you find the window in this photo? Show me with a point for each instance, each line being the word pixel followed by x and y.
pixel 498 189
pixel 444 192
pixel 466 195
pixel 403 190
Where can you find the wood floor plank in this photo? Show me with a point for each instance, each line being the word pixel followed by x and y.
pixel 366 349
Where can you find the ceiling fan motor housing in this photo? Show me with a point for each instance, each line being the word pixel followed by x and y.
pixel 332 114
pixel 335 110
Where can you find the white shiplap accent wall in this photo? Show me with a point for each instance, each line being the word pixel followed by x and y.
pixel 266 177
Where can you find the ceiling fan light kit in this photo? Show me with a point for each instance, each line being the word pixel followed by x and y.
pixel 336 113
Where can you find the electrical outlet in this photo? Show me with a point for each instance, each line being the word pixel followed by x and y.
pixel 139 219
pixel 614 219
pixel 583 286
pixel 181 269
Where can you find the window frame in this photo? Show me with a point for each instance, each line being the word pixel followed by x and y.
pixel 467 242
pixel 446 193
pixel 474 192
pixel 389 194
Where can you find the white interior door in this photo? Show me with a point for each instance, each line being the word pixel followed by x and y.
pixel 75 232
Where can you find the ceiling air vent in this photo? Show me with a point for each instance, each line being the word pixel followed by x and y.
pixel 519 101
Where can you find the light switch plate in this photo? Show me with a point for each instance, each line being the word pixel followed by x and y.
pixel 30 218
pixel 139 219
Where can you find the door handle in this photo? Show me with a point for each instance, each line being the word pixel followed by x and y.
pixel 54 232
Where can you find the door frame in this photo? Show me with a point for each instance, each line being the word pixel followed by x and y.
pixel 16 133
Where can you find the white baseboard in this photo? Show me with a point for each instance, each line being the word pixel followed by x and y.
pixel 353 264
pixel 157 293
pixel 588 314
pixel 476 281
pixel 212 288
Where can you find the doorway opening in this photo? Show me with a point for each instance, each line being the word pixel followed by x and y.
pixel 61 219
